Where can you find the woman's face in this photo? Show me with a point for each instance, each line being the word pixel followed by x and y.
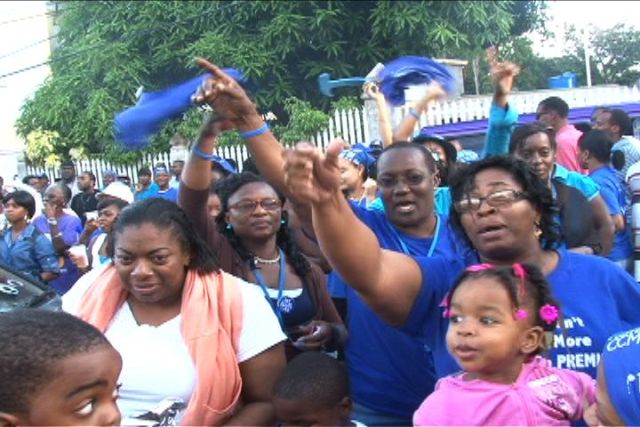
pixel 14 212
pixel 254 211
pixel 350 175
pixel 151 262
pixel 213 205
pixel 407 187
pixel 537 151
pixel 107 217
pixel 499 233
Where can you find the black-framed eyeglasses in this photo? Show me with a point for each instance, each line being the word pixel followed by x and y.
pixel 249 206
pixel 496 199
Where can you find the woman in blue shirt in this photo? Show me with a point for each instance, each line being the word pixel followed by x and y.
pixel 22 247
pixel 506 213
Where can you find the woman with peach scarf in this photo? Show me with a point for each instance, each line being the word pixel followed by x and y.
pixel 185 329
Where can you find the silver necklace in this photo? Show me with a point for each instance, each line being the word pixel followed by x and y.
pixel 267 261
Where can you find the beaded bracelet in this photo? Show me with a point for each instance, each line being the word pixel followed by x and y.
pixel 251 133
pixel 413 113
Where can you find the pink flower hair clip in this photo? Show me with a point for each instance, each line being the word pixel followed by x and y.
pixel 521 314
pixel 480 267
pixel 549 313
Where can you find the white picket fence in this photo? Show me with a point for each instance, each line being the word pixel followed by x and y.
pixel 360 124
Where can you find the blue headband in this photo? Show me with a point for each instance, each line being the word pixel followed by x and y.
pixel 223 163
pixel 407 71
pixel 621 363
pixel 134 126
pixel 160 169
pixel 358 154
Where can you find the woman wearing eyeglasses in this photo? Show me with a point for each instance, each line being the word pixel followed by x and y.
pixel 506 212
pixel 251 239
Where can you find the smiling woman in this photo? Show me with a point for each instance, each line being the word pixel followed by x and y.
pixel 164 302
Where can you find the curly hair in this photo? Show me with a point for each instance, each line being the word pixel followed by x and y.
pixel 166 215
pixel 229 186
pixel 536 292
pixel 537 193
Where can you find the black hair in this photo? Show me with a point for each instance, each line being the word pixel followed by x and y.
pixel 554 103
pixel 90 174
pixel 67 163
pixel 314 377
pixel 537 192
pixel 521 133
pixel 23 199
pixel 111 201
pixel 249 165
pixel 536 292
pixel 227 188
pixel 164 214
pixel 598 143
pixel 404 145
pixel 621 119
pixel 26 179
pixel 144 171
pixel 33 342
pixel 583 127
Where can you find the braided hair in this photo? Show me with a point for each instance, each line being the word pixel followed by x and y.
pixel 525 285
pixel 229 186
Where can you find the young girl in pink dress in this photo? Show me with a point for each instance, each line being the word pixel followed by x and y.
pixel 499 317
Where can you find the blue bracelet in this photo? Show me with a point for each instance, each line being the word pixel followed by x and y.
pixel 203 155
pixel 251 133
pixel 414 113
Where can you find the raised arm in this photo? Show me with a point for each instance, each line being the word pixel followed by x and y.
pixel 405 129
pixel 230 101
pixel 502 116
pixel 384 121
pixel 349 245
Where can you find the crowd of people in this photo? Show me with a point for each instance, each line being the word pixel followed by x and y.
pixel 402 282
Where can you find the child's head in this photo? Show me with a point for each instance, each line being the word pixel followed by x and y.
pixel 56 370
pixel 313 391
pixel 618 396
pixel 498 317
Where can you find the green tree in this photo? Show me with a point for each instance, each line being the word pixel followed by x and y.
pixel 614 54
pixel 107 49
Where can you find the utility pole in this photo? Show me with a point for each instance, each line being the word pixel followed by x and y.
pixel 587 62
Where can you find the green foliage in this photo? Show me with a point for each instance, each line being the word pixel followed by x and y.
pixel 614 56
pixel 107 49
pixel 304 122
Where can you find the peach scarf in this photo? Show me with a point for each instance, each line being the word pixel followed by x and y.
pixel 211 322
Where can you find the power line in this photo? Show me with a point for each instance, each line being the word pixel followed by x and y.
pixel 6 55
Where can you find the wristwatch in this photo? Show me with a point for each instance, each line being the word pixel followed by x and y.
pixel 52 221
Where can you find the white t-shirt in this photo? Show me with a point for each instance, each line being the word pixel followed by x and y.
pixel 156 360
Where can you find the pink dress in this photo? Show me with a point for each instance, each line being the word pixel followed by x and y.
pixel 567 151
pixel 541 396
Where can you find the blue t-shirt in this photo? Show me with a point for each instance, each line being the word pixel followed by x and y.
pixel 597 299
pixel 71 228
pixel 580 182
pixel 389 371
pixel 31 253
pixel 614 197
pixel 171 194
pixel 149 192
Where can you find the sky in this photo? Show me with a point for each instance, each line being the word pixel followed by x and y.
pixel 24 23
